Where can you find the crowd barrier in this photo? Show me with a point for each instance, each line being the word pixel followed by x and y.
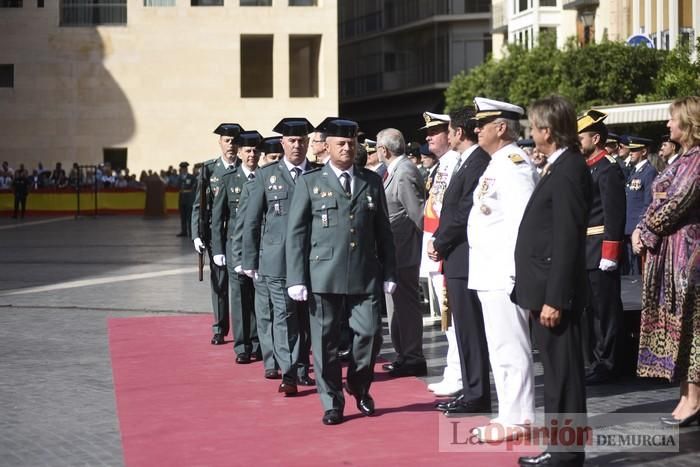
pixel 64 201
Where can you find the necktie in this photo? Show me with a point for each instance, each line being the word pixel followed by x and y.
pixel 251 176
pixel 345 181
pixel 296 171
pixel 457 166
pixel 545 169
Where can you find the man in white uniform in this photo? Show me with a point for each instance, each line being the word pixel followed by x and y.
pixel 499 202
pixel 436 128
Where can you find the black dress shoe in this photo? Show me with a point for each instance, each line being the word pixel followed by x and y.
pixel 543 459
pixel 409 369
pixel 391 366
pixel 256 356
pixel 218 339
pixel 365 403
pixel 288 389
pixel 344 354
pixel 306 381
pixel 272 374
pixel 243 358
pixel 680 423
pixel 472 407
pixel 442 406
pixel 332 417
pixel 598 375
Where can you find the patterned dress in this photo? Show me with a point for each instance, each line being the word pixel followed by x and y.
pixel 669 344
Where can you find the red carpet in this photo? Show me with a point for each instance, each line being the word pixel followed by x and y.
pixel 182 401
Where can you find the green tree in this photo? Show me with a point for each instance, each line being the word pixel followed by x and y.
pixel 598 74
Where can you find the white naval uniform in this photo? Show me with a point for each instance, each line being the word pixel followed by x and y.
pixel 431 269
pixel 499 202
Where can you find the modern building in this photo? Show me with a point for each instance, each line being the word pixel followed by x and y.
pixel 397 57
pixel 142 83
pixel 663 22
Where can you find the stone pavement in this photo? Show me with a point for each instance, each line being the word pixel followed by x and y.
pixel 62 278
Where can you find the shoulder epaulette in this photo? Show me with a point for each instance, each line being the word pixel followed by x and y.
pixel 516 158
pixel 611 159
pixel 210 161
pixel 315 169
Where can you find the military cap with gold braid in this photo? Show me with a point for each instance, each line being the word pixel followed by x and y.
pixel 433 120
pixel 370 146
pixel 592 121
pixel 637 143
pixel 489 109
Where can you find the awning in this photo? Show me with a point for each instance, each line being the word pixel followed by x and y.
pixel 636 113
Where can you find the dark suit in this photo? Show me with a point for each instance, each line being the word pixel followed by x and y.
pixel 451 243
pixel 550 268
pixel 404 189
pixel 342 249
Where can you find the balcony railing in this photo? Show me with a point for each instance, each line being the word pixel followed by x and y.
pixel 91 13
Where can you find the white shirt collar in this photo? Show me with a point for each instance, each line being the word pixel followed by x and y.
pixel 672 159
pixel 467 152
pixel 555 155
pixel 639 165
pixel 338 172
pixel 290 166
pixel 226 164
pixel 246 172
pixel 392 166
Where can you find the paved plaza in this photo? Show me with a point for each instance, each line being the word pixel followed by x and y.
pixel 62 278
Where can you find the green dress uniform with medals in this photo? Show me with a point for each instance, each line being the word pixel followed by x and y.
pixel 227 207
pixel 340 248
pixel 264 239
pixel 209 175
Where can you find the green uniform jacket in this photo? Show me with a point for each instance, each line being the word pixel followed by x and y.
pixel 338 244
pixel 268 209
pixel 210 173
pixel 227 196
pixel 236 248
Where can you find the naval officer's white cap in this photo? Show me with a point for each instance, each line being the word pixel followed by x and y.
pixel 433 119
pixel 489 109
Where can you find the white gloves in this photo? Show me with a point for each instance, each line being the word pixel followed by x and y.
pixel 238 269
pixel 607 265
pixel 199 245
pixel 298 293
pixel 389 287
pixel 220 260
pixel 252 273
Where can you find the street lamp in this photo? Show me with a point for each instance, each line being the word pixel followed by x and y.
pixel 587 17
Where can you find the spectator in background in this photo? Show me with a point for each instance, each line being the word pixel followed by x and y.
pixel 75 177
pixel 5 180
pixel 317 146
pixel 670 149
pixel 429 162
pixel 373 162
pixel 20 185
pixel 7 169
pixel 143 176
pixel 58 176
pixel 669 232
pixel 639 196
pixel 43 176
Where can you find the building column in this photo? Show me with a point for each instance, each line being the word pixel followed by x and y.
pixel 659 24
pixel 647 17
pixel 696 27
pixel 673 23
pixel 635 16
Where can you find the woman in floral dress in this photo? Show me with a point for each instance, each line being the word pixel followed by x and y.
pixel 670 234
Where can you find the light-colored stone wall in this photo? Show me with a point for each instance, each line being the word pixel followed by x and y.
pixel 157 86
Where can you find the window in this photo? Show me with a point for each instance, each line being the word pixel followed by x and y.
pixel 92 12
pixel 7 76
pixel 207 3
pixel 303 65
pixel 548 2
pixel 40 3
pixel 522 5
pixel 159 2
pixel 256 2
pixel 256 66
pixel 115 157
pixel 302 2
pixel 477 6
pixel 10 3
